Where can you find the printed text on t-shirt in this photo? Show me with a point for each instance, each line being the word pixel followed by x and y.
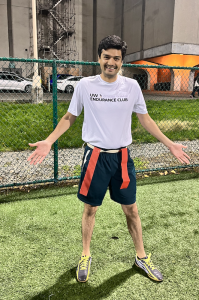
pixel 99 97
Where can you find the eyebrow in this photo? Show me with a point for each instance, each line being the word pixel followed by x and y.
pixel 107 55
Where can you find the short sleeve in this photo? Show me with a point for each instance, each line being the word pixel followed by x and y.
pixel 140 104
pixel 76 104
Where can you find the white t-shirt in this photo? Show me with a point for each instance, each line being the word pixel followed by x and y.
pixel 196 83
pixel 108 110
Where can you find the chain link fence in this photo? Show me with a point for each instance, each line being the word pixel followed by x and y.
pixel 35 94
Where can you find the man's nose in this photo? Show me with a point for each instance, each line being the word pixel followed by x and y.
pixel 111 61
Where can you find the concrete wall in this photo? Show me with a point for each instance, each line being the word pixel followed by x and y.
pixel 132 24
pixel 108 18
pixel 186 27
pixel 87 30
pixel 158 23
pixel 151 31
pixel 186 22
pixel 167 26
pixel 20 10
pixel 4 46
pixel 79 28
pixel 108 22
pixel 21 26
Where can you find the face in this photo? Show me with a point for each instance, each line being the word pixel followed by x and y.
pixel 110 63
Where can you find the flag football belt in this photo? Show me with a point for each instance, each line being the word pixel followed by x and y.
pixel 92 164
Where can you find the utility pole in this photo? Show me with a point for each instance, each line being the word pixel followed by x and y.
pixel 37 91
pixel 94 33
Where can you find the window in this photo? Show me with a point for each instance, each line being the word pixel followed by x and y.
pixel 9 77
pixel 75 79
pixel 4 77
pixel 63 76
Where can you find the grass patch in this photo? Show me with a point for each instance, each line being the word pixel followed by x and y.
pixel 66 168
pixel 177 119
pixel 176 125
pixel 140 164
pixel 70 172
pixel 77 170
pixel 41 243
pixel 25 123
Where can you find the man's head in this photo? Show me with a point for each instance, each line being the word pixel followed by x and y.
pixel 112 42
pixel 111 52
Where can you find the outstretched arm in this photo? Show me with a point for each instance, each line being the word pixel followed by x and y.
pixel 152 128
pixel 43 147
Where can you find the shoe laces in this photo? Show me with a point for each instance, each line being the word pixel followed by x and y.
pixel 149 262
pixel 84 263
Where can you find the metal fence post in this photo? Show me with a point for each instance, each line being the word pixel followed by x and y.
pixel 55 118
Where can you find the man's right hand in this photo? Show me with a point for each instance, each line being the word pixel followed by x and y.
pixel 42 150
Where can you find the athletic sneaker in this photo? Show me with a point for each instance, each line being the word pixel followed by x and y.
pixel 147 265
pixel 83 268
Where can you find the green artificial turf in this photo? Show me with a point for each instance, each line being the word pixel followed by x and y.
pixel 21 124
pixel 41 243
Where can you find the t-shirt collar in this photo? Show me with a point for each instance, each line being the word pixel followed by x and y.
pixel 109 83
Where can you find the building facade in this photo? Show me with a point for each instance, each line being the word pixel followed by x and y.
pixel 157 32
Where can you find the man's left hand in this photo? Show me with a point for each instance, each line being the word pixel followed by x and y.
pixel 176 150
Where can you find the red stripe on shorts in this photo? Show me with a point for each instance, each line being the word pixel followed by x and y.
pixel 125 175
pixel 90 171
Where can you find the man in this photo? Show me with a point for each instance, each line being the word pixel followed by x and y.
pixel 108 100
pixel 195 87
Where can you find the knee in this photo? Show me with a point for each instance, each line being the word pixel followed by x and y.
pixel 131 211
pixel 90 210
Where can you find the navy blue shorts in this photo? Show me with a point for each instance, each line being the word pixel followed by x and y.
pixel 108 174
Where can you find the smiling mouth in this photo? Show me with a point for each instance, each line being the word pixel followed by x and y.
pixel 110 68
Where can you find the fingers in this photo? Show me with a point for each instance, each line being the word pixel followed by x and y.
pixel 31 156
pixel 185 154
pixel 32 145
pixel 39 159
pixel 184 159
pixel 40 152
pixel 36 159
pixel 180 160
pixel 182 156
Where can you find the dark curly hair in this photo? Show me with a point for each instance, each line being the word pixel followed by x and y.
pixel 112 41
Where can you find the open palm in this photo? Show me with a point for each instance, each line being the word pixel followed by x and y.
pixel 176 150
pixel 42 150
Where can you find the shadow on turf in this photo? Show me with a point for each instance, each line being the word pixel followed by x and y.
pixel 64 290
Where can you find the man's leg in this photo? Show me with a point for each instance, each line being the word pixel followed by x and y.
pixel 141 260
pixel 198 90
pixel 134 227
pixel 88 222
pixel 194 90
